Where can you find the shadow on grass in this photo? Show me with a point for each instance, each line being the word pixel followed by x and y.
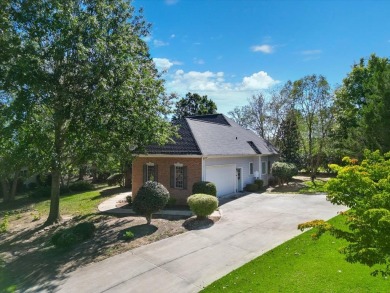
pixel 35 264
pixel 113 190
pixel 198 224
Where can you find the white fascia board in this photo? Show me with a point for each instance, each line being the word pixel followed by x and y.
pixel 169 156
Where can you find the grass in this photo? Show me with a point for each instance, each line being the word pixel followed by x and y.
pixel 302 265
pixel 319 186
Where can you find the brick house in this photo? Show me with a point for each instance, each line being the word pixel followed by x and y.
pixel 210 148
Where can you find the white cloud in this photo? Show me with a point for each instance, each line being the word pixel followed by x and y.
pixel 159 43
pixel 173 36
pixel 163 64
pixel 171 2
pixel 227 95
pixel 257 81
pixel 199 61
pixel 266 49
pixel 311 52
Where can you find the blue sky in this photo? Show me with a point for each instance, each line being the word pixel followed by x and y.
pixel 231 49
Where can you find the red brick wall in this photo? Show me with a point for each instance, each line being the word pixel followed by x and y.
pixel 194 174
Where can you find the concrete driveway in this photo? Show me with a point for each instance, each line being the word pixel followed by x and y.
pixel 250 226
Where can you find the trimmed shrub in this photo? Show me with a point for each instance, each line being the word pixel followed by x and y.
pixel 71 236
pixel 115 179
pixel 204 187
pixel 259 183
pixel 40 192
pixel 129 199
pixel 284 171
pixel 151 198
pixel 252 187
pixel 202 205
pixel 171 202
pixel 81 186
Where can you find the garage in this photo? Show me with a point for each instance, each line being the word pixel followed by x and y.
pixel 224 178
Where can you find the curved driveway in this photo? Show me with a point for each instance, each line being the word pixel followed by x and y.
pixel 250 226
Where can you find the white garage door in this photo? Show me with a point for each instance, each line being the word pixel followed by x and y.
pixel 224 178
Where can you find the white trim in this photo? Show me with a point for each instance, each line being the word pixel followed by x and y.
pixel 178 165
pixel 169 156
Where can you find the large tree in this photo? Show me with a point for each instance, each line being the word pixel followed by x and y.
pixel 314 104
pixel 363 103
pixel 80 77
pixel 288 139
pixel 194 104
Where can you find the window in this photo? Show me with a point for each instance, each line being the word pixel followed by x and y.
pixel 269 167
pixel 150 172
pixel 263 168
pixel 178 176
pixel 251 168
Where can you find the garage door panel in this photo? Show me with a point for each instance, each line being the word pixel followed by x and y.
pixel 223 176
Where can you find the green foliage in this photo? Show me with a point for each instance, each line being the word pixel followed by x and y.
pixel 128 235
pixel 151 198
pixel 365 188
pixel 115 179
pixel 4 224
pixel 81 186
pixel 202 205
pixel 252 187
pixel 288 141
pixel 194 104
pixel 129 199
pixel 284 171
pixel 259 183
pixel 171 202
pixel 84 86
pixel 67 238
pixel 204 187
pixel 40 192
pixel 363 102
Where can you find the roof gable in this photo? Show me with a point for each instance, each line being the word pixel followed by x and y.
pixel 214 134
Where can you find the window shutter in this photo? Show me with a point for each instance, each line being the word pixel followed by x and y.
pixel 145 171
pixel 156 173
pixel 185 177
pixel 172 176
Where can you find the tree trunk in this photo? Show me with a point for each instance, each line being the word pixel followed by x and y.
pixel 14 186
pixel 54 214
pixel 5 189
pixel 148 218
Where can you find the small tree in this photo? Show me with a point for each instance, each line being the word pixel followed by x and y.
pixel 283 171
pixel 365 189
pixel 151 198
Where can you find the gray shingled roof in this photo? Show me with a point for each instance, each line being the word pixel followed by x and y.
pixel 214 134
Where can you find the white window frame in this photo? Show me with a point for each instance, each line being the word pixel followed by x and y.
pixel 251 168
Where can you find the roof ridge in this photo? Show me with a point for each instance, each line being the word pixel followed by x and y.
pixel 193 136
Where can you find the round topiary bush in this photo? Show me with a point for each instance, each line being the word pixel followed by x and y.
pixel 151 198
pixel 202 205
pixel 204 187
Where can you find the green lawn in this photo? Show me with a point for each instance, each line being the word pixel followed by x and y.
pixel 302 265
pixel 311 188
